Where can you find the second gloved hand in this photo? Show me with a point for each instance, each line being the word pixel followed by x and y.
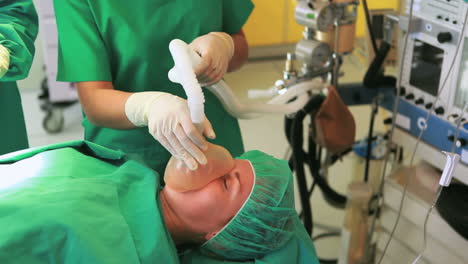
pixel 216 50
pixel 4 60
pixel 168 119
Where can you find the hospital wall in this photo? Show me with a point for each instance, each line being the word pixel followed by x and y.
pixel 272 22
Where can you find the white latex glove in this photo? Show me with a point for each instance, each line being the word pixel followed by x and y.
pixel 216 50
pixel 168 119
pixel 4 60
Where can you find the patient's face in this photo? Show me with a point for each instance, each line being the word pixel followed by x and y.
pixel 212 206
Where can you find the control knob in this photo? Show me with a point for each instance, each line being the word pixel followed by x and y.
pixel 402 91
pixel 460 141
pixel 439 110
pixel 443 37
pixel 410 96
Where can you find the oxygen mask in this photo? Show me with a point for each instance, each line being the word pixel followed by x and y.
pixel 180 178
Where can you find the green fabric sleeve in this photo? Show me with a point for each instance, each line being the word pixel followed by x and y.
pixel 82 52
pixel 18 30
pixel 235 14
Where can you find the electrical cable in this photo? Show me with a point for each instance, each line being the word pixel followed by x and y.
pixel 439 189
pixel 331 196
pixel 314 183
pixel 298 161
pixel 311 147
pixel 293 128
pixel 369 27
pixel 392 128
pixel 429 113
pixel 434 202
pixel 318 150
pixel 319 153
pixel 328 261
pixel 375 74
pixel 325 235
pixel 310 191
pixel 375 109
pixel 296 140
pixel 294 132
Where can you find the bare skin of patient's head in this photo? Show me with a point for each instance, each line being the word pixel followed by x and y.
pixel 198 204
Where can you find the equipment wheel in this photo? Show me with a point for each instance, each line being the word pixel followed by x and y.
pixel 54 121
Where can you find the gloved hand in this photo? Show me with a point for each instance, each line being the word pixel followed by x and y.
pixel 216 50
pixel 4 60
pixel 168 119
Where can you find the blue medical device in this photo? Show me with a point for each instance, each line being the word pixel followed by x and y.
pixel 434 66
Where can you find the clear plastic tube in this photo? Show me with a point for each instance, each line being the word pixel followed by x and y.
pixel 262 93
pixel 184 62
pixel 298 89
pixel 277 105
pixel 186 59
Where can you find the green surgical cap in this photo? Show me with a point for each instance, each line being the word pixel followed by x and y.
pixel 266 221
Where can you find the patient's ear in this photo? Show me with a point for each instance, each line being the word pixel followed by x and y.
pixel 210 235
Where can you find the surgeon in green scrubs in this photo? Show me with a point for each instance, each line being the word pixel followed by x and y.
pixel 114 49
pixel 18 30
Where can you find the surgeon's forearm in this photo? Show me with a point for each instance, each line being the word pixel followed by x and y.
pixel 104 106
pixel 241 51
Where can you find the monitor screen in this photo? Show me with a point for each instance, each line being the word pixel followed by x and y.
pixel 426 67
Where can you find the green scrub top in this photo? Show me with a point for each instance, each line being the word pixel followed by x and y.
pixel 78 202
pixel 18 30
pixel 127 43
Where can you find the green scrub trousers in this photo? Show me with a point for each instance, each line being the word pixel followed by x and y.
pixel 78 202
pixel 18 30
pixel 127 43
